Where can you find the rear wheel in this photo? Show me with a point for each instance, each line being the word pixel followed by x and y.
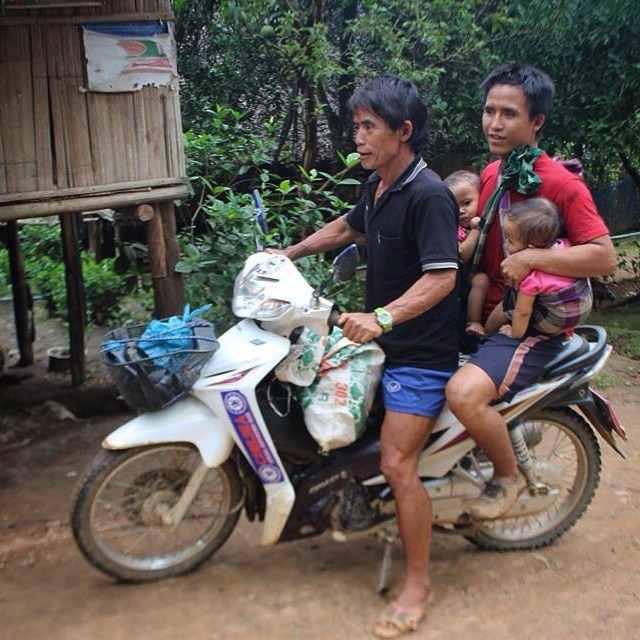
pixel 118 509
pixel 566 442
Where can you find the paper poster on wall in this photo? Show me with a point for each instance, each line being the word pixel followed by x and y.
pixel 126 56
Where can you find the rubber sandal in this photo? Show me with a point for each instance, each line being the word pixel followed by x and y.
pixel 396 621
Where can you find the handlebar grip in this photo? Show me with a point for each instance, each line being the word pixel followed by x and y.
pixel 334 316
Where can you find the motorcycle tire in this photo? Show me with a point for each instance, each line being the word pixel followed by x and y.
pixel 117 512
pixel 566 435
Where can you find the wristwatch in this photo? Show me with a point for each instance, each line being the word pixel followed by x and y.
pixel 384 319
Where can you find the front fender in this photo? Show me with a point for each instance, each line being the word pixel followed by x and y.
pixel 188 420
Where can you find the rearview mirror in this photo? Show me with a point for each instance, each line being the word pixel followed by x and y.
pixel 346 263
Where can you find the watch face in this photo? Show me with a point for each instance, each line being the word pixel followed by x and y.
pixel 384 319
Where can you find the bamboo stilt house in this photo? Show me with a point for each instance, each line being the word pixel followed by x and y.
pixel 90 119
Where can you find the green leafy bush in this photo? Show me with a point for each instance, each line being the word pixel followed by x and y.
pixel 107 289
pixel 222 150
pixel 38 241
pixel 222 231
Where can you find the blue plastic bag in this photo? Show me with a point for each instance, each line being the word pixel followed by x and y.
pixel 169 336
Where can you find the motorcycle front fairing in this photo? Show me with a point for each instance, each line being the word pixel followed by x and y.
pixel 221 411
pixel 228 387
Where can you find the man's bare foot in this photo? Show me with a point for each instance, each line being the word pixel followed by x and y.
pixel 475 329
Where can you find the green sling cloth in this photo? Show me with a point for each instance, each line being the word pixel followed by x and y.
pixel 516 173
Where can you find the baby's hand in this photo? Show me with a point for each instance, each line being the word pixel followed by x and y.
pixel 505 330
pixel 474 223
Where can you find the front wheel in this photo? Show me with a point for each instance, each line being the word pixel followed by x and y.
pixel 117 512
pixel 561 440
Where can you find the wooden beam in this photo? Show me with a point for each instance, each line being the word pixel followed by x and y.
pixel 100 189
pixel 22 301
pixel 89 203
pixel 164 253
pixel 13 21
pixel 144 212
pixel 75 296
pixel 157 249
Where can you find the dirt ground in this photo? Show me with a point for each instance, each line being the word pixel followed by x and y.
pixel 585 586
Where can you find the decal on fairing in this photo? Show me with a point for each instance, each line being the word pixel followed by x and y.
pixel 234 378
pixel 246 426
pixel 271 265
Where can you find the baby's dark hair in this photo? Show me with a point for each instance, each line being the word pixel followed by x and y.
pixel 462 177
pixel 538 221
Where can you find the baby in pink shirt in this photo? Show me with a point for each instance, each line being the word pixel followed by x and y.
pixel 545 303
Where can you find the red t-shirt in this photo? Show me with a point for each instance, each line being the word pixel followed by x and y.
pixel 581 221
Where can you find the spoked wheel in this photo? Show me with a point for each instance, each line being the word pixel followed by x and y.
pixel 120 512
pixel 564 447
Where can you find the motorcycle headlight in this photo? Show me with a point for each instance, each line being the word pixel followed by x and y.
pixel 250 299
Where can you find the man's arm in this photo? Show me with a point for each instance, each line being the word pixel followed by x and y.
pixel 430 289
pixel 594 258
pixel 333 235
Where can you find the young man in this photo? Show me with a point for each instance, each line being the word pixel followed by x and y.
pixel 517 100
pixel 408 221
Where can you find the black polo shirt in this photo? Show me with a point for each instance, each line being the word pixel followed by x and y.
pixel 412 229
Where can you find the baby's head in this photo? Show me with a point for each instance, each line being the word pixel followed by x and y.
pixel 531 223
pixel 465 186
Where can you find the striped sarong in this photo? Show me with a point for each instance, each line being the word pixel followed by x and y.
pixel 564 309
pixel 556 311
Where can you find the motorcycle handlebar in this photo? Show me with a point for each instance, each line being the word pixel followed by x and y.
pixel 334 316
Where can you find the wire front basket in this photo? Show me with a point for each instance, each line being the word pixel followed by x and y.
pixel 154 371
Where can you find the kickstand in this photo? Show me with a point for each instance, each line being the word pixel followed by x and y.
pixel 389 539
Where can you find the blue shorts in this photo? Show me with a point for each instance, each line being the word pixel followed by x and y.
pixel 514 364
pixel 413 390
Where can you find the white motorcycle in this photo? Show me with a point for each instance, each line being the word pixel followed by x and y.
pixel 167 488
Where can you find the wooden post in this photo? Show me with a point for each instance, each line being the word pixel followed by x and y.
pixel 168 289
pixel 22 301
pixel 75 296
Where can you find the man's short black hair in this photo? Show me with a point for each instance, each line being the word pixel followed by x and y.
pixel 395 100
pixel 537 85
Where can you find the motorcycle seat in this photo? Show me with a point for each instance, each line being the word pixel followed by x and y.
pixel 581 349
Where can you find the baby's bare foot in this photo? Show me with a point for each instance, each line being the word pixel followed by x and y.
pixel 475 329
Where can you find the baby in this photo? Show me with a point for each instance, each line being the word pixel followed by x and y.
pixel 465 186
pixel 544 302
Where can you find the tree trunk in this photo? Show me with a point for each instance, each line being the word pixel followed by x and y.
pixel 310 126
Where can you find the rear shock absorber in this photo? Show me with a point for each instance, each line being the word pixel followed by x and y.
pixel 523 456
pixel 524 459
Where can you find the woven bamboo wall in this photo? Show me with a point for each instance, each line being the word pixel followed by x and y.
pixel 58 139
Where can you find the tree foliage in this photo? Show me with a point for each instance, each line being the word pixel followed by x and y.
pixel 296 62
pixel 299 61
pixel 266 85
pixel 592 52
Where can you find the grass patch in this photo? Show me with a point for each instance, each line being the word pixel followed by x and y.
pixel 623 328
pixel 605 380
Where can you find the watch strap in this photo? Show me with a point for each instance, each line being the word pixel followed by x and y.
pixel 384 319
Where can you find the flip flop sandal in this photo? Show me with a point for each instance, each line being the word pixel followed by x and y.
pixel 396 621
